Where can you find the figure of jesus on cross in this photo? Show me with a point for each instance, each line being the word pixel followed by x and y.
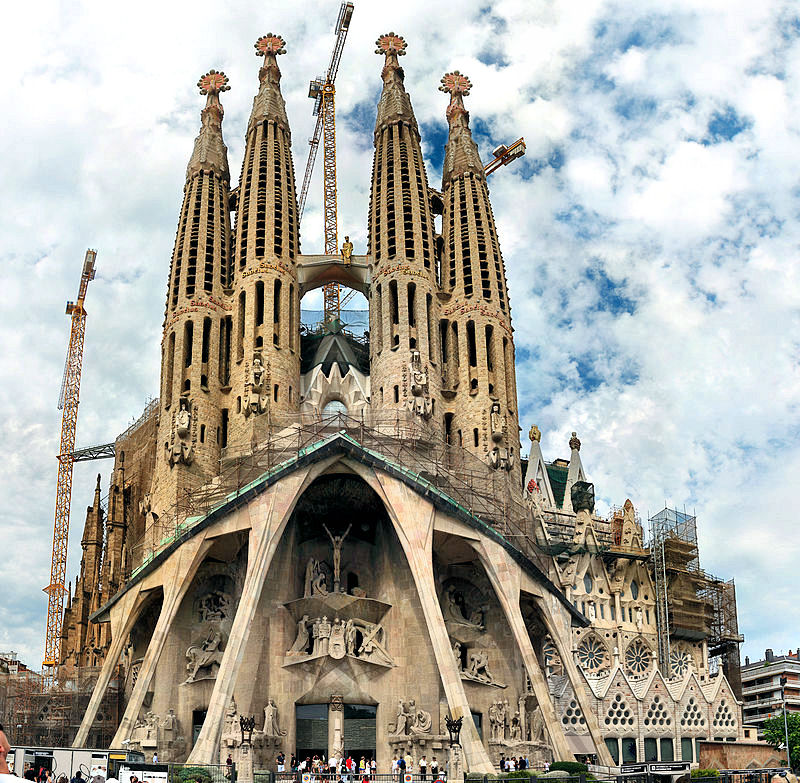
pixel 337 543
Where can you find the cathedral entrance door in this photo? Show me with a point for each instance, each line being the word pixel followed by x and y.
pixel 311 724
pixel 359 731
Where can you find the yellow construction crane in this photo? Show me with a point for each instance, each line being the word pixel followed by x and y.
pixel 504 155
pixel 68 402
pixel 323 93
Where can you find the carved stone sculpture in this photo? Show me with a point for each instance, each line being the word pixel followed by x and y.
pixel 182 447
pixel 231 732
pixel 271 726
pixel 256 388
pixel 420 400
pixel 453 612
pixel 372 646
pixel 477 668
pixel 207 657
pixel 497 721
pixel 410 720
pixel 536 726
pixel 501 456
pixel 316 582
pixel 337 542
pixel 516 731
pixel 214 606
pixel 301 640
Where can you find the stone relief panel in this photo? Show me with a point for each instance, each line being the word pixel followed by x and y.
pixel 410 720
pixel 213 607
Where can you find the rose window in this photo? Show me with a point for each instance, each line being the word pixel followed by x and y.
pixel 680 662
pixel 638 657
pixel 592 654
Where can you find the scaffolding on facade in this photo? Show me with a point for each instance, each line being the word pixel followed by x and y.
pixel 690 603
pixel 36 716
pixel 410 445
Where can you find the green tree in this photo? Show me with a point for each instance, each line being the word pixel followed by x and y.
pixel 774 734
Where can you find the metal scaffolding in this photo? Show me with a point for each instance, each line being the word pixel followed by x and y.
pixel 410 445
pixel 690 603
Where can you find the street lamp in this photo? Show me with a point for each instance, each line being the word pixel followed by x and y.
pixel 247 725
pixel 454 728
pixel 783 681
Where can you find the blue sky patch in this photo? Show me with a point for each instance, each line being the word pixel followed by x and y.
pixel 724 126
pixel 610 295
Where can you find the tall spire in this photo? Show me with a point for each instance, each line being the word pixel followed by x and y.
pixel 395 103
pixel 461 153
pixel 479 382
pixel 193 372
pixel 265 341
pixel 404 308
pixel 268 103
pixel 210 152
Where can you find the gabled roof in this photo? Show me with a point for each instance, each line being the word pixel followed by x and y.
pixel 341 443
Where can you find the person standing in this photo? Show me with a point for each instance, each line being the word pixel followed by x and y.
pixel 423 768
pixel 434 769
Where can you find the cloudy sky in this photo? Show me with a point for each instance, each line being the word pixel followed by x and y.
pixel 650 235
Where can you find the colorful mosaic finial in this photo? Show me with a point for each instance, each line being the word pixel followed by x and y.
pixel 390 43
pixel 213 83
pixel 271 43
pixel 455 83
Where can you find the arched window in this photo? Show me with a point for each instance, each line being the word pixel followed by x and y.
pixel 334 408
pixel 587 582
pixel 634 590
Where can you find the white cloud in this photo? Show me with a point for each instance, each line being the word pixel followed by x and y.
pixel 653 276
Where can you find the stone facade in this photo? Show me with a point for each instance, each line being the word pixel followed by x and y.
pixel 353 580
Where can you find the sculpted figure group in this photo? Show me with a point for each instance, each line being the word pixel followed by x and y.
pixel 354 637
pixel 410 720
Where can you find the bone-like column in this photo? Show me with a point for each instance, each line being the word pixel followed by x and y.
pixel 268 517
pixel 176 576
pixel 412 517
pixel 123 617
pixel 504 577
pixel 558 625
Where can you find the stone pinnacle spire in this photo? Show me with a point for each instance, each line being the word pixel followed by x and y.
pixel 210 152
pixel 461 153
pixel 269 103
pixel 395 103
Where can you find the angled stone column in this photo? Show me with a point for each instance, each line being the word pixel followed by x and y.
pixel 412 517
pixel 558 624
pixel 504 576
pixel 176 575
pixel 268 516
pixel 123 617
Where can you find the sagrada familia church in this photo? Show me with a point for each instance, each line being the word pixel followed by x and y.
pixel 340 534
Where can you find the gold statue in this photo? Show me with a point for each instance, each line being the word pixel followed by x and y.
pixel 535 434
pixel 347 251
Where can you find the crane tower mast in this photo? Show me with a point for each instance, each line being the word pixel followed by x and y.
pixel 68 402
pixel 323 92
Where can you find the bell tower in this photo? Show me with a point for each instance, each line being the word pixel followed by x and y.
pixel 193 348
pixel 403 303
pixel 265 350
pixel 478 376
